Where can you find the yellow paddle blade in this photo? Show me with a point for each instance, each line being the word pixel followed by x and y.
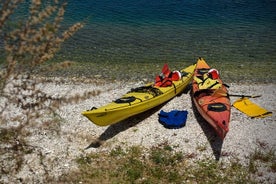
pixel 251 109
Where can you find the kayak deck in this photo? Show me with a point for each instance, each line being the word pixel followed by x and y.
pixel 138 100
pixel 213 108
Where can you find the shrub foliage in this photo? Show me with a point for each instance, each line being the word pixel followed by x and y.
pixel 28 43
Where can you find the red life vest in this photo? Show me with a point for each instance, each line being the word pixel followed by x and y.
pixel 166 77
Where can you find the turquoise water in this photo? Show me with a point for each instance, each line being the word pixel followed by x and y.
pixel 227 33
pixel 174 30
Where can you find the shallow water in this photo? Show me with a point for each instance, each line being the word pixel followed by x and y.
pixel 238 37
pixel 235 36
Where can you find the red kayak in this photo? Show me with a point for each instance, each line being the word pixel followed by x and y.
pixel 211 98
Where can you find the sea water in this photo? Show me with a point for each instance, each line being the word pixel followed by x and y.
pixel 226 33
pixel 174 30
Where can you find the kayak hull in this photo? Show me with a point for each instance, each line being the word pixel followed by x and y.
pixel 214 107
pixel 138 101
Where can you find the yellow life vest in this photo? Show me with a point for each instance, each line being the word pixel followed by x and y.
pixel 207 82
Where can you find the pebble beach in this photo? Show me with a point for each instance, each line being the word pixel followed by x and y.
pixel 78 136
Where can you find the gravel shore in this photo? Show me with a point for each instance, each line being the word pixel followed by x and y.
pixel 78 136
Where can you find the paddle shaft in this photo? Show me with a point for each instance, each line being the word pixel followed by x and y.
pixel 222 93
pixel 249 96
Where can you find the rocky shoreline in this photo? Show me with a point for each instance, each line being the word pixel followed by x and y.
pixel 78 136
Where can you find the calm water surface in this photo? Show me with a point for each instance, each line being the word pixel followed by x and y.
pixel 232 35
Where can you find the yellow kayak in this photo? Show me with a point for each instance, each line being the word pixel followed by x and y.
pixel 138 100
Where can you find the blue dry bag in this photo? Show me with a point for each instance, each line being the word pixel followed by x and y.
pixel 173 119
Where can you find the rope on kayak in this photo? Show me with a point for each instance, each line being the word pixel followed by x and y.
pixel 206 91
pixel 147 89
pixel 174 88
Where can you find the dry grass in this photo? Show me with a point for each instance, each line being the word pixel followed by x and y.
pixel 24 107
